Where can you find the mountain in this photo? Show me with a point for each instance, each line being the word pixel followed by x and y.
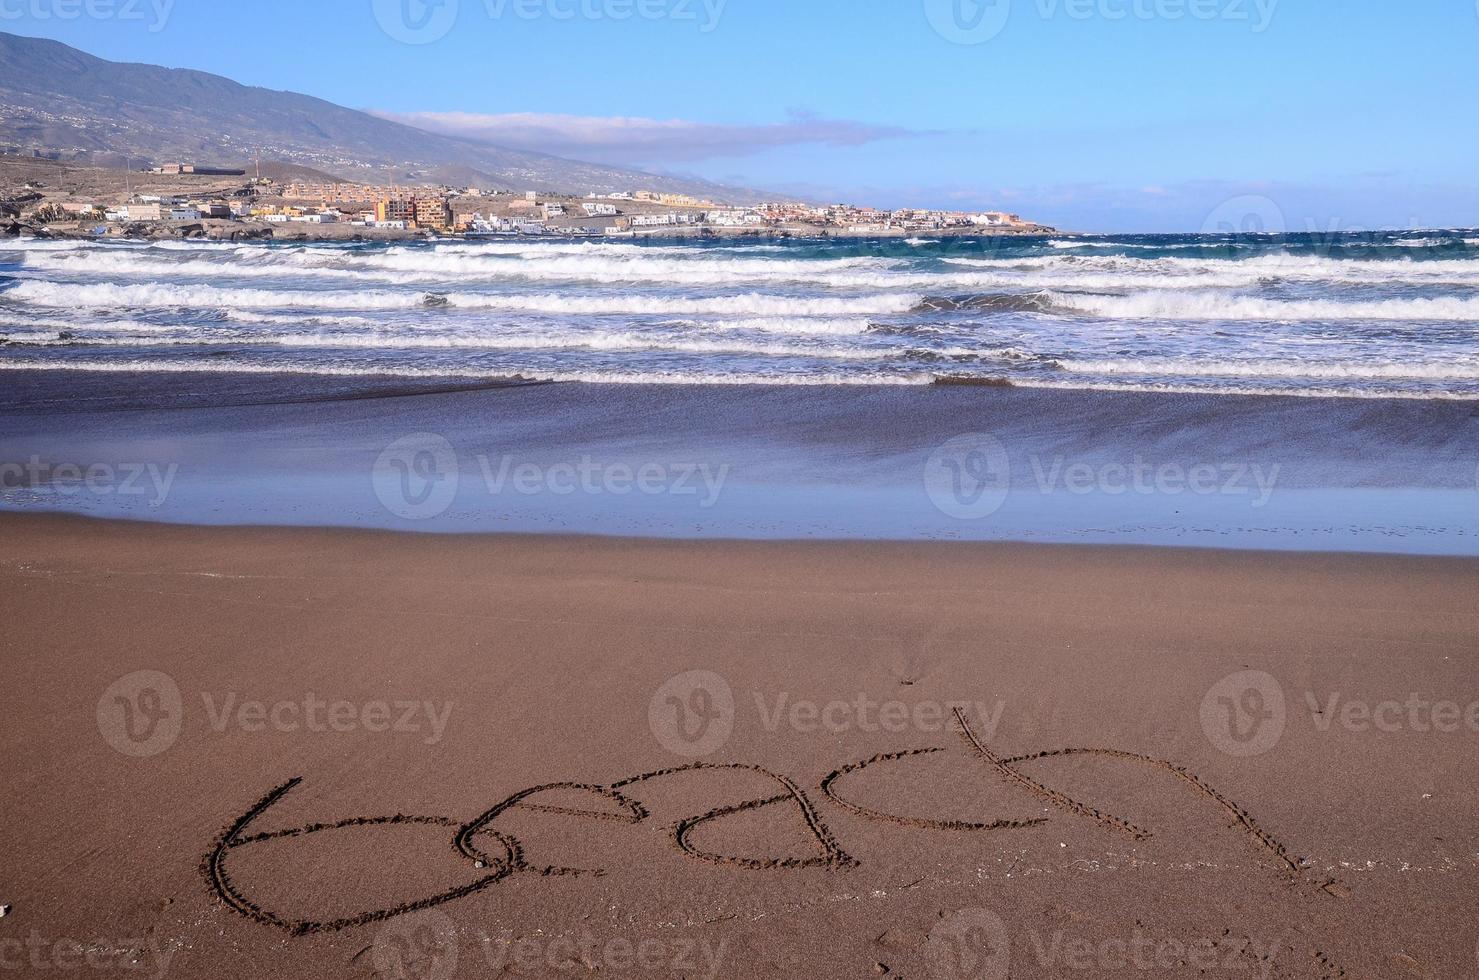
pixel 59 98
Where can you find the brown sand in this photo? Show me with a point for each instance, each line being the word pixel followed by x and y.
pixel 532 744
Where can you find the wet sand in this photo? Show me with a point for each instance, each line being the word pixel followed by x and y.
pixel 917 759
pixel 778 462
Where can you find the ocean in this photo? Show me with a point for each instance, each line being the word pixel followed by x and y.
pixel 1371 315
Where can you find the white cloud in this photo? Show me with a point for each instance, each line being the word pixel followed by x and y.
pixel 639 140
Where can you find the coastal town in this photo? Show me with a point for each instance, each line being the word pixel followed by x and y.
pixel 190 200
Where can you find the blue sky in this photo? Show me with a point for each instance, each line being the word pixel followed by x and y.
pixel 1088 114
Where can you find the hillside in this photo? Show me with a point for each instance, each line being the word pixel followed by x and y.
pixel 56 97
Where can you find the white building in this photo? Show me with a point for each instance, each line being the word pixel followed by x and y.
pixel 662 220
pixel 735 218
pixel 599 210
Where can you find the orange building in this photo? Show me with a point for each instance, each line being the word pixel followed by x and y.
pixel 432 212
pixel 395 209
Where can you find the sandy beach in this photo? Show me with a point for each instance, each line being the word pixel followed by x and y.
pixel 317 753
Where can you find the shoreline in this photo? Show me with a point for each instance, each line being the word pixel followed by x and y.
pixel 1260 473
pixel 386 689
pixel 481 379
pixel 264 233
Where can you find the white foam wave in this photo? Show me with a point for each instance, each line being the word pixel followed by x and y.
pixel 162 295
pixel 1347 370
pixel 801 325
pixel 1217 305
pixel 401 371
pixel 749 304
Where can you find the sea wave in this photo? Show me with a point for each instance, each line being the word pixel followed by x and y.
pixel 1219 305
pixel 164 295
pixel 1349 370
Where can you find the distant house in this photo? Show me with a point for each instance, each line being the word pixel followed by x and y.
pixel 661 220
pixel 143 212
pixel 735 218
pixel 594 210
pixel 184 214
